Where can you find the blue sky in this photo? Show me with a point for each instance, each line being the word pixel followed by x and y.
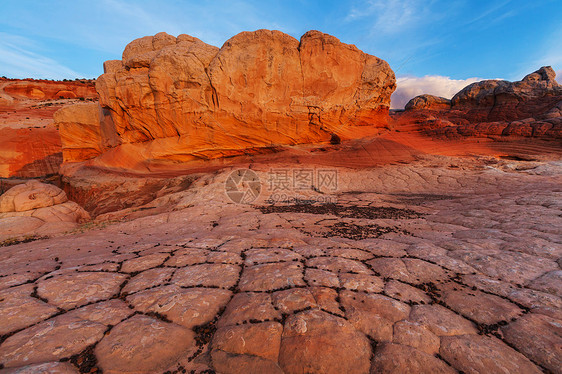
pixel 432 45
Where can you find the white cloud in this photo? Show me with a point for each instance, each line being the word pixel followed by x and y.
pixel 410 87
pixel 492 10
pixel 393 16
pixel 19 61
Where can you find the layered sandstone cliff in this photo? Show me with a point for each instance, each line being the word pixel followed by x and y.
pixel 531 107
pixel 178 99
pixel 22 89
pixel 30 144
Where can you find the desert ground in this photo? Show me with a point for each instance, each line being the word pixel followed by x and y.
pixel 440 265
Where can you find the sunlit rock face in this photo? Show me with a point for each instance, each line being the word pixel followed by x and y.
pixel 179 99
pixel 36 208
pixel 531 107
pixel 30 144
pixel 23 89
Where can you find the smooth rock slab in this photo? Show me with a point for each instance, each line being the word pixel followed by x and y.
pixel 381 247
pixel 550 282
pixel 108 266
pixel 19 310
pixel 51 340
pixel 209 243
pixel 555 313
pixel 361 282
pixel 517 268
pixel 399 359
pixel 538 337
pixel 534 299
pixel 224 258
pixel 71 290
pixel 479 306
pixel 487 284
pixel 327 299
pixel 405 292
pixel 441 321
pixel 323 278
pixel 438 255
pixel 109 312
pixel 230 363
pixel 187 256
pixel 143 344
pixel 147 279
pixel 240 245
pixel 409 270
pixel 423 271
pixel 416 336
pixel 350 253
pixel 259 339
pixel 209 275
pixel 28 267
pixel 386 307
pixel 393 268
pixel 186 307
pixel 295 299
pixel 484 354
pixel 317 342
pixel 17 279
pixel 248 306
pixel 309 251
pixel 19 226
pixel 261 255
pixel 267 277
pixel 374 315
pixel 338 265
pixel 49 367
pixel 144 262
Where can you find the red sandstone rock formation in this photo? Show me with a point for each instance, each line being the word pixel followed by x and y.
pixel 17 89
pixel 80 131
pixel 178 99
pixel 35 208
pixel 29 152
pixel 30 144
pixel 428 102
pixel 531 107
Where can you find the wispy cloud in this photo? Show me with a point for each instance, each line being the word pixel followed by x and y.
pixel 108 25
pixel 393 16
pixel 410 87
pixel 100 30
pixel 492 10
pixel 19 61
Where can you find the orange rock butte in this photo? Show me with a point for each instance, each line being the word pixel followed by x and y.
pixel 173 100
